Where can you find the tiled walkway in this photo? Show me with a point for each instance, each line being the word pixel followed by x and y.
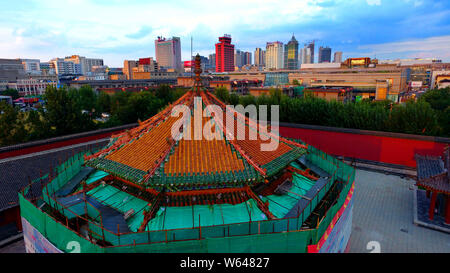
pixel 383 212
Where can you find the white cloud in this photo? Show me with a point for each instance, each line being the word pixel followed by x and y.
pixel 90 25
pixel 428 44
pixel 373 2
pixel 438 47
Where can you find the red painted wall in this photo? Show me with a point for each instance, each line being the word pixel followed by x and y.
pixel 385 149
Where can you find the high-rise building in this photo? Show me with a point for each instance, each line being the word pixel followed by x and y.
pixel 128 66
pixel 337 57
pixel 307 53
pixel 224 54
pixel 239 58
pixel 168 53
pixel 47 69
pixel 291 54
pixel 248 58
pixel 212 61
pixel 275 55
pixel 311 46
pixel 11 70
pixel 324 54
pixel 260 57
pixel 32 66
pixel 242 58
pixel 86 64
pixel 63 67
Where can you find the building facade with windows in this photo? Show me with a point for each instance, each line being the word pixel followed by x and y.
pixel 291 54
pixel 324 54
pixel 86 64
pixel 274 55
pixel 168 53
pixel 260 57
pixel 224 54
pixel 337 57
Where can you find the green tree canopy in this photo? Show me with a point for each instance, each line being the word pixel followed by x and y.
pixel 222 94
pixel 64 112
pixel 12 129
pixel 10 92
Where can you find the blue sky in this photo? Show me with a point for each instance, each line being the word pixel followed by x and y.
pixel 116 30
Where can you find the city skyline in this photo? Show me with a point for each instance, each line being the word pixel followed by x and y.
pixel 48 29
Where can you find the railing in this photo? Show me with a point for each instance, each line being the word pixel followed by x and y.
pixel 339 170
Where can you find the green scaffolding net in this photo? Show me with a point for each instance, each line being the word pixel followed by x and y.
pixel 280 205
pixel 228 228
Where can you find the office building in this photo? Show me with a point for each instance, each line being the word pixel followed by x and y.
pixel 11 70
pixel 63 67
pixel 337 57
pixel 274 55
pixel 307 53
pixel 324 54
pixel 239 58
pixel 224 54
pixel 32 66
pixel 260 57
pixel 248 58
pixel 128 66
pixel 32 87
pixel 212 61
pixel 147 65
pixel 86 64
pixel 168 53
pixel 291 54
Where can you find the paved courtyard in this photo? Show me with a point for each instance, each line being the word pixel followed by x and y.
pixel 383 212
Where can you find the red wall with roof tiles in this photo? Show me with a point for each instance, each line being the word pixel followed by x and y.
pixel 385 149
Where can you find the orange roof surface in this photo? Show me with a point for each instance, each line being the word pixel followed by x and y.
pixel 153 157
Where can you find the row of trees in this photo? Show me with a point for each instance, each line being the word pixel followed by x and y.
pixel 429 115
pixel 63 113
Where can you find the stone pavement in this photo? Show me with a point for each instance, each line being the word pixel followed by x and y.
pixel 383 212
pixel 16 247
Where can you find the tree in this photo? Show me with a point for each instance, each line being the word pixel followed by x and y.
pixel 104 102
pixel 234 99
pixel 222 94
pixel 413 118
pixel 36 125
pixel 63 112
pixel 295 82
pixel 10 92
pixel 12 129
pixel 164 92
pixel 439 100
pixel 140 105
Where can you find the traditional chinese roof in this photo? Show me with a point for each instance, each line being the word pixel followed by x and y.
pixel 431 174
pixel 150 156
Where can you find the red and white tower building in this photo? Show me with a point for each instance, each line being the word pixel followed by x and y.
pixel 224 54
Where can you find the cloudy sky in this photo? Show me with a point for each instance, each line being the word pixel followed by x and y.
pixel 116 30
